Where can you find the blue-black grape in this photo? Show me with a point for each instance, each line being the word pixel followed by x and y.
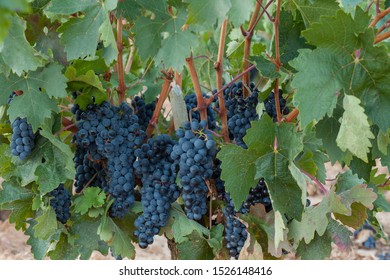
pixel 270 106
pixel 241 111
pixel 61 202
pixel 158 175
pixel 143 111
pixel 22 141
pixel 192 103
pixel 384 256
pixel 108 135
pixel 235 231
pixel 258 194
pixel 195 152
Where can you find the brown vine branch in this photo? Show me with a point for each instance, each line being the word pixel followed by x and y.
pixel 218 66
pixel 277 62
pixel 381 37
pixel 202 104
pixel 383 27
pixel 292 115
pixel 121 73
pixel 379 16
pixel 68 125
pixel 166 87
pixel 247 47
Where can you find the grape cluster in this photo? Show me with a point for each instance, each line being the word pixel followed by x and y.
pixel 107 136
pixel 270 107
pixel 61 203
pixel 192 102
pixel 241 111
pixel 258 194
pixel 195 152
pixel 158 174
pixel 143 111
pixel 235 231
pixel 22 141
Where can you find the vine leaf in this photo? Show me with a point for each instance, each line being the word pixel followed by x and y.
pixel 206 12
pixel 195 248
pixel 240 11
pixel 315 219
pixel 355 133
pixel 15 44
pixel 175 46
pixel 39 247
pixel 11 193
pixel 312 12
pixel 80 35
pixel 180 227
pixel 116 238
pixel 64 249
pixel 86 238
pixel 318 249
pixel 352 64
pixel 340 234
pixel 93 197
pixel 46 224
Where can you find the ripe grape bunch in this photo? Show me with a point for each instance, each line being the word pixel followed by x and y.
pixel 22 142
pixel 158 174
pixel 195 152
pixel 144 111
pixel 241 111
pixel 107 137
pixel 270 106
pixel 61 203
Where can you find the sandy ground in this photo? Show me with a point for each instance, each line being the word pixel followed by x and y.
pixel 13 243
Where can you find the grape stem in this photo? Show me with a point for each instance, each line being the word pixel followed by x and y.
pixel 379 16
pixel 130 59
pixel 247 46
pixel 121 73
pixel 68 125
pixel 292 116
pixel 166 87
pixel 201 103
pixel 218 66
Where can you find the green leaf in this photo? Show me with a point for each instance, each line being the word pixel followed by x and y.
pixel 10 193
pixel 206 12
pixel 327 130
pixel 284 191
pixel 195 248
pixel 58 166
pixel 356 219
pixel 129 9
pixel 93 197
pixel 316 80
pixel 15 44
pixel 354 133
pixel 39 247
pixel 315 219
pixel 265 67
pixel 347 181
pixel 46 224
pixel 170 49
pixel 290 39
pixel 67 7
pixel 86 238
pixel 21 212
pixel 240 11
pixel 180 227
pixel 340 234
pixel 64 249
pixel 80 35
pixel 216 238
pixel 318 249
pixel 117 239
pixel 312 11
pixel 237 186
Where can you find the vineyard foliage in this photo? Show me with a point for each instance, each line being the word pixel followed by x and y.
pixel 96 154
